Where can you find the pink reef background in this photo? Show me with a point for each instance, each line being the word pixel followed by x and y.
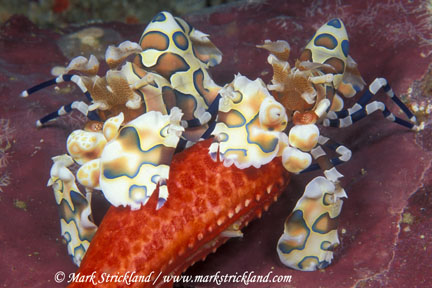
pixel 385 228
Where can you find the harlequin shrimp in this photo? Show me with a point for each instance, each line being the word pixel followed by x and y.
pixel 134 107
pixel 170 209
pixel 310 93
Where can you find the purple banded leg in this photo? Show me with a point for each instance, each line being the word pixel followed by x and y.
pixel 209 114
pixel 362 108
pixel 212 111
pixel 184 143
pixel 344 153
pixel 60 79
pixel 77 105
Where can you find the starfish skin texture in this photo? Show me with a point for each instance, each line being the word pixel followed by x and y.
pixel 206 198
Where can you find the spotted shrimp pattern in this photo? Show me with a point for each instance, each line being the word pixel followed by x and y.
pixel 165 100
pixel 77 227
pixel 181 54
pixel 323 70
pixel 136 123
pixel 250 125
